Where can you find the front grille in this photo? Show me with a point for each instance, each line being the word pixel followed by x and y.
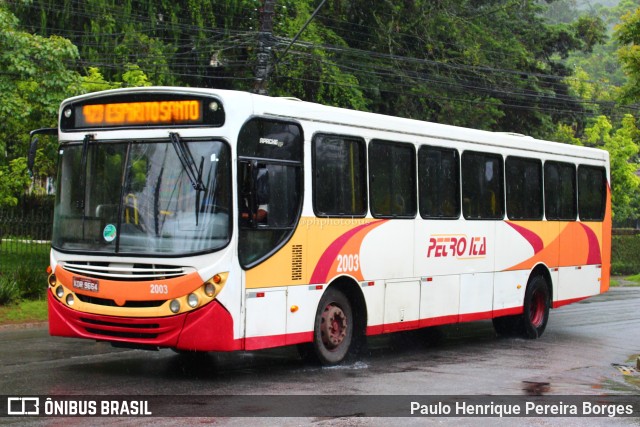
pixel 123 271
pixel 111 303
pixel 121 330
pixel 121 334
pixel 120 325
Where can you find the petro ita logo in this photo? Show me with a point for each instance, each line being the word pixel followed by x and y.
pixel 23 406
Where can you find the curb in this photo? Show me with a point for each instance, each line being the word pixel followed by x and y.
pixel 29 325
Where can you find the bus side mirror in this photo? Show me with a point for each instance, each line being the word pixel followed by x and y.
pixel 31 158
pixel 33 148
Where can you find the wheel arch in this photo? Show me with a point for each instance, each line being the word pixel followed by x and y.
pixel 543 270
pixel 351 289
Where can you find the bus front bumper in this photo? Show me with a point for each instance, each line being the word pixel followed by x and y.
pixel 209 328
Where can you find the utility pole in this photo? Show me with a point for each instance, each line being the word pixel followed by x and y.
pixel 265 41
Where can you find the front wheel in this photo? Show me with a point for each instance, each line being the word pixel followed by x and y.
pixel 333 328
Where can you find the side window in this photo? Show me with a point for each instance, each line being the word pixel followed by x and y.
pixel 392 179
pixel 592 192
pixel 438 182
pixel 339 176
pixel 269 187
pixel 482 186
pixel 560 191
pixel 524 188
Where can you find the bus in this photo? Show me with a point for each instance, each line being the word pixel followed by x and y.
pixel 212 220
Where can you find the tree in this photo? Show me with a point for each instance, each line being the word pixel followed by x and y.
pixel 34 80
pixel 628 35
pixel 622 145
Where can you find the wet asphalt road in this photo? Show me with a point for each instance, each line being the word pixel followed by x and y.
pixel 588 348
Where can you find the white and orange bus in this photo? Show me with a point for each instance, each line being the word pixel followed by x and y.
pixel 211 220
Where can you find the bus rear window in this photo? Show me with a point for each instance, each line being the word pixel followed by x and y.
pixel 592 192
pixel 560 191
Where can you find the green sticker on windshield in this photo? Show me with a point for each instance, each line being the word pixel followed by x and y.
pixel 109 233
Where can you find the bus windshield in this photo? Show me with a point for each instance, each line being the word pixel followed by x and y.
pixel 133 197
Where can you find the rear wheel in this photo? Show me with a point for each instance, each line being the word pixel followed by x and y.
pixel 533 321
pixel 333 328
pixel 536 308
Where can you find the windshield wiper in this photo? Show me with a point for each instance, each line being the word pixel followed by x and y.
pixel 88 139
pixel 194 173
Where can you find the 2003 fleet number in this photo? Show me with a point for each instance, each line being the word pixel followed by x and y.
pixel 348 263
pixel 158 289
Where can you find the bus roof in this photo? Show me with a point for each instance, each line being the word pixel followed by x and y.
pixel 292 108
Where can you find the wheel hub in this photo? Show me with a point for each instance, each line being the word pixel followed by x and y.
pixel 333 327
pixel 536 310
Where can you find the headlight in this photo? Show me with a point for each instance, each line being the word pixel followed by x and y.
pixel 59 291
pixel 174 306
pixel 209 289
pixel 70 300
pixel 192 300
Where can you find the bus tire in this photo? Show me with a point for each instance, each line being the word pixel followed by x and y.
pixel 333 328
pixel 536 308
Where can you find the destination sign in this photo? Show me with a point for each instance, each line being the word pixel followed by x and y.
pixel 147 110
pixel 140 113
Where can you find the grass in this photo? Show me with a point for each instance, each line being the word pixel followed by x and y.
pixel 24 312
pixel 14 253
pixel 633 280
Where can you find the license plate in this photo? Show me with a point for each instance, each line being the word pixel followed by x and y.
pixel 84 284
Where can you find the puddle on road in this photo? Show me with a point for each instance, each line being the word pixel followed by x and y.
pixel 629 373
pixel 351 366
pixel 535 388
pixel 621 378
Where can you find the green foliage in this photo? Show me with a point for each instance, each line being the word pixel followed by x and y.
pixel 34 80
pixel 9 292
pixel 622 145
pixel 591 31
pixel 14 179
pixel 628 36
pixel 94 81
pixel 624 254
pixel 565 134
pixel 476 63
pixel 31 281
pixel 319 78
pixel 487 64
pixel 25 282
